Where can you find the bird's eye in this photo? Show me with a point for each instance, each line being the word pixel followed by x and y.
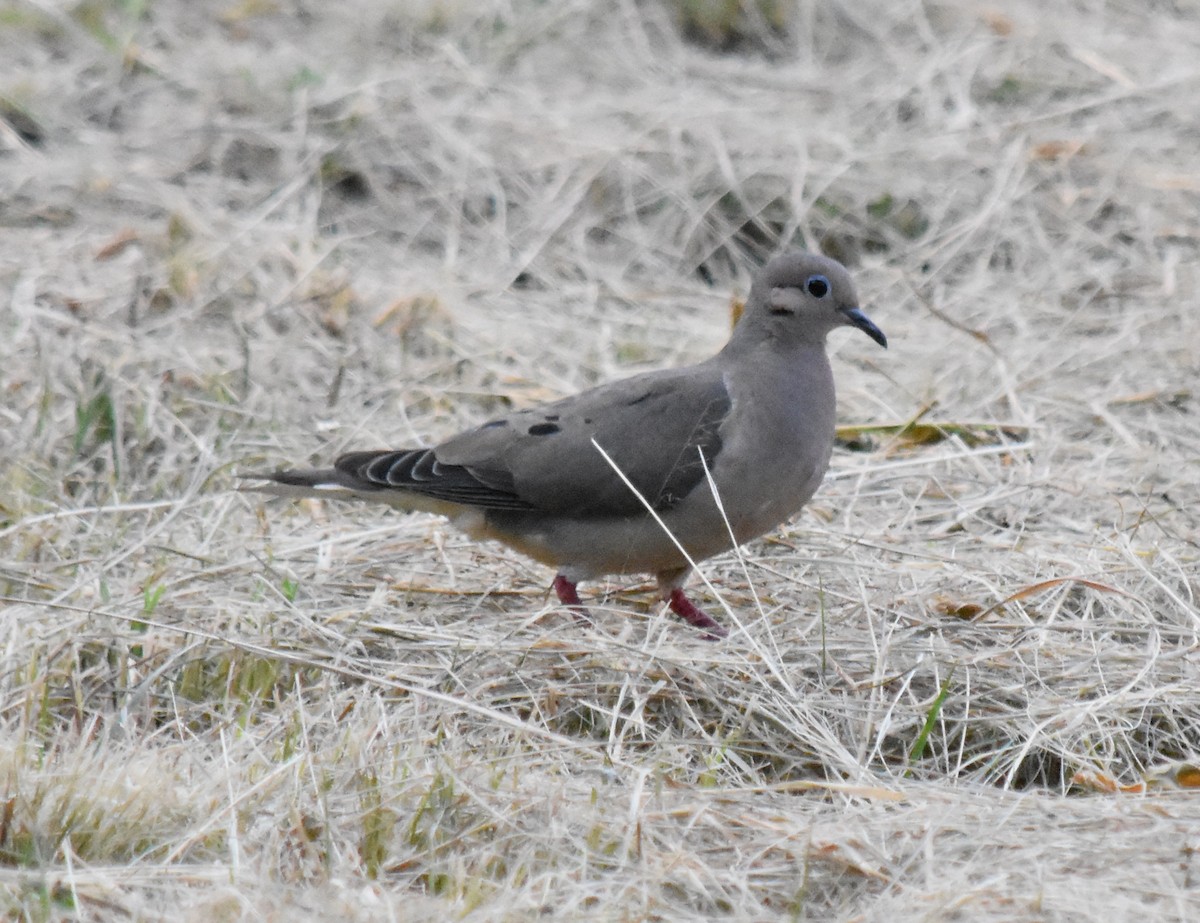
pixel 817 286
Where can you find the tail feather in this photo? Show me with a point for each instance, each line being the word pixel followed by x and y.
pixel 301 482
pixel 334 484
pixel 405 478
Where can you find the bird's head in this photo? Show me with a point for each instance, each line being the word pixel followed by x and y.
pixel 801 296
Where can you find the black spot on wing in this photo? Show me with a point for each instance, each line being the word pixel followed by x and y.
pixel 419 471
pixel 655 429
pixel 543 429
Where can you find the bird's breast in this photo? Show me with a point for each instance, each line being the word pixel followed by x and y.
pixel 777 443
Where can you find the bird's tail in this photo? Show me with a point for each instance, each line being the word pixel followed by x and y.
pixel 304 482
pixel 341 483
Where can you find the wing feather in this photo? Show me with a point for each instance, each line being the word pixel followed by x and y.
pixel 419 471
pixel 655 427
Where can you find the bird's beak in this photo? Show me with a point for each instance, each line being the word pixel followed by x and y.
pixel 856 318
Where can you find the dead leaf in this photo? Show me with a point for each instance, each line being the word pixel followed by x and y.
pixel 915 433
pixel 1180 774
pixel 1060 150
pixel 1035 588
pixel 1000 24
pixel 116 244
pixel 404 315
pixel 247 9
pixel 737 307
pixel 944 605
pixel 1097 781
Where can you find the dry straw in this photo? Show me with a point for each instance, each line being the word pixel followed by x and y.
pixel 966 682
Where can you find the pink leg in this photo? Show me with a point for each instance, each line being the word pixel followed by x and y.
pixel 569 597
pixel 694 615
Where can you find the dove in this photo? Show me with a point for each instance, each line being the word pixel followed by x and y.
pixel 647 474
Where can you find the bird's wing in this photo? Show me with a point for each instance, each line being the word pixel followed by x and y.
pixel 653 426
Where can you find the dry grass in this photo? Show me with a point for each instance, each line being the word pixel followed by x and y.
pixel 968 680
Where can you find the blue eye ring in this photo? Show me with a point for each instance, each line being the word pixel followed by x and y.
pixel 817 286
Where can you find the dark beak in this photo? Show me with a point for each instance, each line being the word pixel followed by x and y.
pixel 856 318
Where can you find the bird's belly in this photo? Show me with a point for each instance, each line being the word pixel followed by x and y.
pixel 586 547
pixel 590 547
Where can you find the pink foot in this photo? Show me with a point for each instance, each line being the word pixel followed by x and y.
pixel 694 615
pixel 569 597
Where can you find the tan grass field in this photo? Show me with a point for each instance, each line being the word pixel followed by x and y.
pixel 963 685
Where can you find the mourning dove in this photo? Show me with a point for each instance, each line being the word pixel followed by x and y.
pixel 758 417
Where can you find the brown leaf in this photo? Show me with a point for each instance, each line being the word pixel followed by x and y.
pixel 998 23
pixel 1035 588
pixel 1182 775
pixel 944 605
pixel 116 244
pixel 1097 781
pixel 737 307
pixel 1056 150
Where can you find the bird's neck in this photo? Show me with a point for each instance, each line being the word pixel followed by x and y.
pixel 756 340
pixel 757 332
pixel 788 368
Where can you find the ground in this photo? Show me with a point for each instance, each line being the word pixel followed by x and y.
pixel 963 684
